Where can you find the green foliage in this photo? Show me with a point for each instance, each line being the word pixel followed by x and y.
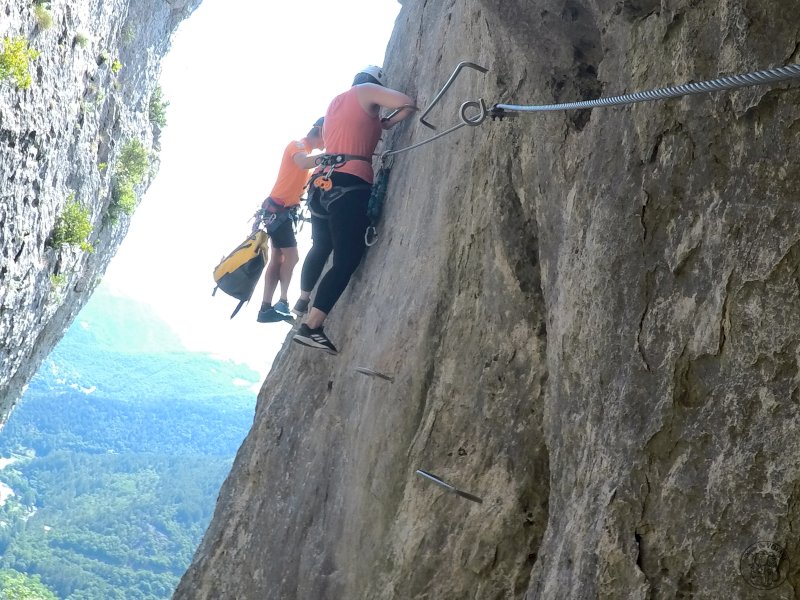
pixel 104 57
pixel 116 66
pixel 15 61
pixel 102 166
pixel 43 16
pixel 123 199
pixel 18 586
pixel 128 34
pixel 131 166
pixel 73 226
pixel 133 162
pixel 81 40
pixel 158 108
pixel 57 282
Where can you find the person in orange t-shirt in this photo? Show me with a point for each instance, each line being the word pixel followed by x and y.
pixel 285 195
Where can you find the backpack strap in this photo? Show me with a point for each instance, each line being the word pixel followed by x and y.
pixel 238 306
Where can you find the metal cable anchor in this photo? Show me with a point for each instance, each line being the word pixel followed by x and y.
pixel 450 81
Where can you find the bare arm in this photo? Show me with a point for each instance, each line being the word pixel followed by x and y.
pixel 305 161
pixel 374 97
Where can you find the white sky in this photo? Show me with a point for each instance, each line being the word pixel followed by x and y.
pixel 243 78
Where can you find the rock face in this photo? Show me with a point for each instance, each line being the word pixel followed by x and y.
pixel 592 320
pixel 60 142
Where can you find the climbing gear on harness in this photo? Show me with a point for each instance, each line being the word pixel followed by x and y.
pixel 238 273
pixel 449 487
pixel 764 77
pixel 300 216
pixel 450 81
pixel 323 182
pixel 272 215
pixel 330 162
pixel 375 203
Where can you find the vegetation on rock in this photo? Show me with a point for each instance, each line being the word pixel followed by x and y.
pixel 74 226
pixel 15 61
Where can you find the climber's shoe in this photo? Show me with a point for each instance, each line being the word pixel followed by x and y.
pixel 282 308
pixel 314 338
pixel 300 307
pixel 269 315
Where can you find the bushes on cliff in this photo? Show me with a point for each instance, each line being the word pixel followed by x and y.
pixel 133 162
pixel 131 167
pixel 43 16
pixel 15 61
pixel 158 108
pixel 73 226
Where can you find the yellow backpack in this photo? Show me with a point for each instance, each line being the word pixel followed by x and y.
pixel 238 273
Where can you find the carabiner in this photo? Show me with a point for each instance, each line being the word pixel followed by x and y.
pixel 370 236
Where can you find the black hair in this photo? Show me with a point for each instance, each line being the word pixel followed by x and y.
pixel 365 78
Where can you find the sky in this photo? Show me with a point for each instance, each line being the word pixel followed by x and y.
pixel 243 78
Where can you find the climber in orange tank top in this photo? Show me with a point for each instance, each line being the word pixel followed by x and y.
pixel 352 128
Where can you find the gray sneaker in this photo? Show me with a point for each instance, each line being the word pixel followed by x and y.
pixel 300 307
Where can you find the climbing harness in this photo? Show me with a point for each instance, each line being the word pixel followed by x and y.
pixel 687 89
pixel 272 215
pixel 324 183
pixel 330 162
pixel 449 487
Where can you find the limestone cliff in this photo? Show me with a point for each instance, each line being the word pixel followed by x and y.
pixel 60 144
pixel 592 319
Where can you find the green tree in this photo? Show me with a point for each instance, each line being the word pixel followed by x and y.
pixel 18 586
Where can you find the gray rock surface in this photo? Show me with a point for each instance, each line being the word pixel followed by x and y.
pixel 55 138
pixel 592 319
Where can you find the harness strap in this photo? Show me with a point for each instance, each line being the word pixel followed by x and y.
pixel 337 160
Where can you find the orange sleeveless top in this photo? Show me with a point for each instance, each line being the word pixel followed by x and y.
pixel 349 129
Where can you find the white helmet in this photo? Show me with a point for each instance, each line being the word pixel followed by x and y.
pixel 375 72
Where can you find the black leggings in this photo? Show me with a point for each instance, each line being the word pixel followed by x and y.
pixel 341 233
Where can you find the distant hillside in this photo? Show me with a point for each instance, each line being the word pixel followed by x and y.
pixel 117 452
pixel 120 349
